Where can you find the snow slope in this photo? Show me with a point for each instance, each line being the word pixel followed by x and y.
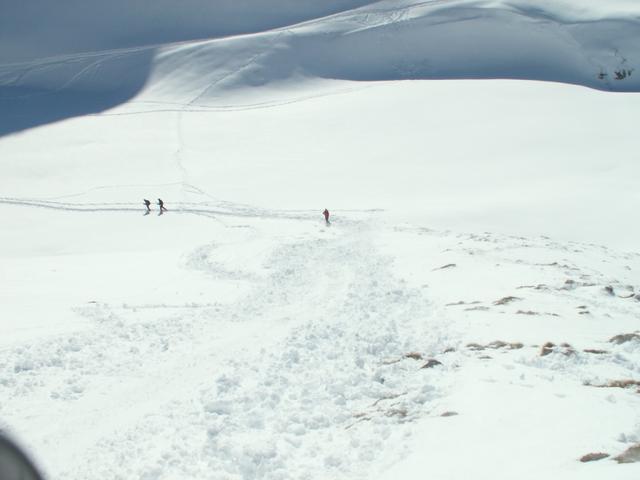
pixel 278 348
pixel 476 216
pixel 103 54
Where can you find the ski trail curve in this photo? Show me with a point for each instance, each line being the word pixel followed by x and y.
pixel 208 209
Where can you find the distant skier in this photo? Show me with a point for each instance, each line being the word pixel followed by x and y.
pixel 326 216
pixel 161 204
pixel 147 204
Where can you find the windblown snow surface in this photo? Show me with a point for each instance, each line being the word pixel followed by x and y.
pixel 480 160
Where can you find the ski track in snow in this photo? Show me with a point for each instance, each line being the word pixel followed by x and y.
pixel 194 208
pixel 307 375
pixel 317 370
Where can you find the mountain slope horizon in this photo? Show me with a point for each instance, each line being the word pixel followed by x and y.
pixel 47 74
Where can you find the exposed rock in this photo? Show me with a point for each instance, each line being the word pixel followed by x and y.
pixel 449 414
pixel 547 348
pixel 506 300
pixel 432 362
pixel 567 349
pixel 595 351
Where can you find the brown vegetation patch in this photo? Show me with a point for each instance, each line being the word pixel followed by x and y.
pixel 630 455
pixel 478 308
pixel 564 348
pixel 527 312
pixel 414 356
pixel 627 383
pixel 570 284
pixel 595 351
pixel 461 302
pixel 593 457
pixel 622 383
pixel 500 344
pixel 624 338
pixel 506 300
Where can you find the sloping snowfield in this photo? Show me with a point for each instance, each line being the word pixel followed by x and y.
pixel 472 310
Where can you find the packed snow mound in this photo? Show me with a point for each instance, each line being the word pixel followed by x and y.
pixel 120 50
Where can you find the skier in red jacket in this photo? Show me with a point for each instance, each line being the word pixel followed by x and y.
pixel 326 216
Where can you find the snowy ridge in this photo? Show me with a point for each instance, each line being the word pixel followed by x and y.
pixel 380 41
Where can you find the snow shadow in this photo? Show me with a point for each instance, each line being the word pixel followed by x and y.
pixel 58 62
pixel 480 43
pixel 45 28
pixel 453 43
pixel 428 40
pixel 40 93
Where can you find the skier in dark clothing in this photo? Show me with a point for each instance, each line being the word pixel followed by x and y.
pixel 147 204
pixel 162 209
pixel 326 216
